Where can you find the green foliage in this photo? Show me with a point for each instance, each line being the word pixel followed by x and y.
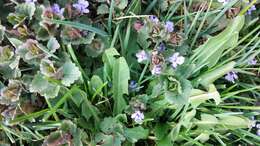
pixel 119 72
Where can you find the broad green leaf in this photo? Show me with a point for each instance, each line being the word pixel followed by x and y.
pixel 234 122
pixel 109 59
pixel 207 122
pixel 203 137
pixel 103 9
pixel 71 73
pixel 97 46
pixel 121 75
pixel 80 26
pixel 47 68
pixel 121 4
pixel 26 9
pixel 53 45
pixel 15 42
pixel 44 87
pixel 6 55
pixel 11 93
pixel 161 130
pixel 210 52
pixel 108 140
pixel 198 96
pixel 136 133
pixel 208 78
pixel 95 83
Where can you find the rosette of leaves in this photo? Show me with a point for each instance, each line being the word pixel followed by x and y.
pixel 22 11
pixel 177 91
pixel 68 133
pixel 11 93
pixel 6 55
pixel 75 36
pixel 47 28
pixel 97 46
pixel 31 51
pixel 68 73
pixel 40 84
pixel 9 63
pixel 152 32
pixel 112 132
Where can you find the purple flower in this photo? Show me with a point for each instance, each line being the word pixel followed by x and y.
pixel 133 85
pixel 258 132
pixel 154 19
pixel 141 56
pixel 157 69
pixel 231 76
pixel 56 9
pixel 161 47
pixel 176 60
pixel 169 26
pixel 30 1
pixel 138 117
pixel 252 62
pixel 249 11
pixel 82 6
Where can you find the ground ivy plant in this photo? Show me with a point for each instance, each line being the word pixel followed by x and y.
pixel 129 72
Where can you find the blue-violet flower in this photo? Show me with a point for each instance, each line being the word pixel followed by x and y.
pixel 169 26
pixel 176 60
pixel 252 62
pixel 141 56
pixel 154 19
pixel 252 8
pixel 133 85
pixel 156 70
pixel 56 9
pixel 161 47
pixel 231 76
pixel 82 6
pixel 138 116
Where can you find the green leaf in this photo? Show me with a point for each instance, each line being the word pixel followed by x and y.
pixel 80 26
pixel 53 45
pixel 210 52
pixel 209 77
pixel 121 75
pixel 2 33
pixel 109 59
pixel 198 96
pixel 26 9
pixel 136 133
pixel 234 122
pixel 108 140
pixel 207 122
pixel 71 73
pixel 96 47
pixel 103 9
pixel 11 93
pixel 44 87
pixel 121 4
pixel 95 83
